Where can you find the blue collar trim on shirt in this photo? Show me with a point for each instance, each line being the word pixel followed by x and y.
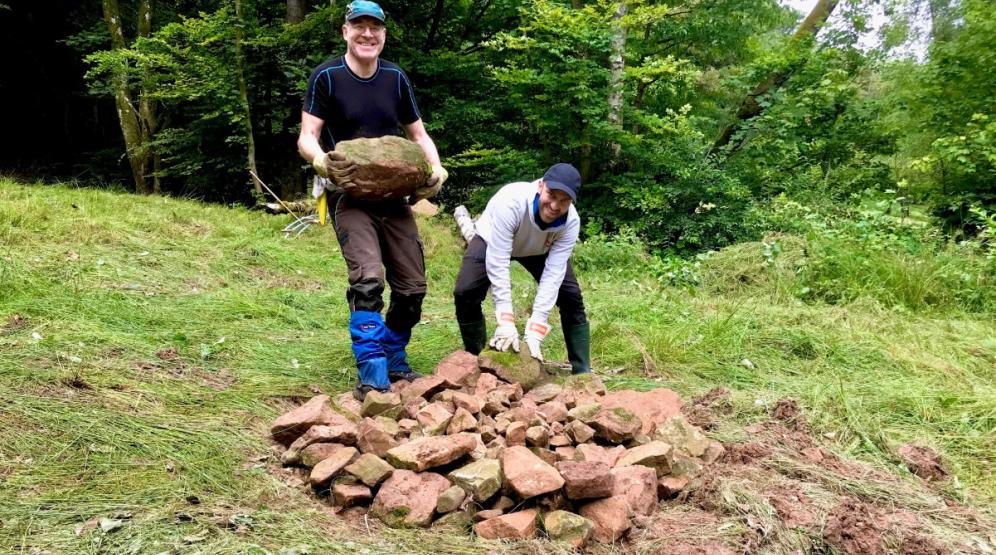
pixel 539 222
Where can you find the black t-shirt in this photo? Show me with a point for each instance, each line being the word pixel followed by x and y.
pixel 353 107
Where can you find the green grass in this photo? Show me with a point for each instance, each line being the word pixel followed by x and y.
pixel 95 424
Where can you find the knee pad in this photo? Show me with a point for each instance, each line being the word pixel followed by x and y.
pixel 405 311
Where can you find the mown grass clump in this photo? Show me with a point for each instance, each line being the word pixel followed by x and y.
pixel 147 342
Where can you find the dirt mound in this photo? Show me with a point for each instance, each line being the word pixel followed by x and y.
pixel 922 461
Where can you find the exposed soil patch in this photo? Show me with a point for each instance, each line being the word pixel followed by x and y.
pixel 168 354
pixel 746 453
pixel 793 508
pixel 854 528
pixel 705 410
pixel 922 461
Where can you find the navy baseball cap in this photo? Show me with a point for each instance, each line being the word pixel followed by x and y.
pixel 564 177
pixel 364 8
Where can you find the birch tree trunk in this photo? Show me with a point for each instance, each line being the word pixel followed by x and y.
pixel 128 116
pixel 617 66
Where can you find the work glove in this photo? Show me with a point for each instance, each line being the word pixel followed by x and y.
pixel 506 334
pixel 536 330
pixel 334 166
pixel 433 184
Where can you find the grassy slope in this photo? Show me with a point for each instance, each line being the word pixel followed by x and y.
pixel 95 424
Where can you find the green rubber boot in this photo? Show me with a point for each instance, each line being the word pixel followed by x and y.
pixel 475 336
pixel 578 341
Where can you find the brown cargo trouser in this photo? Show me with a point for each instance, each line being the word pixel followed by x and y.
pixel 380 240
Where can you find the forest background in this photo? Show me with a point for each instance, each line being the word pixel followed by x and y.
pixel 695 124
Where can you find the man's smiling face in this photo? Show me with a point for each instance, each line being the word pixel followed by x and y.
pixel 364 38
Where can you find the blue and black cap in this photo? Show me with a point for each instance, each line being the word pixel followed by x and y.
pixel 563 177
pixel 364 8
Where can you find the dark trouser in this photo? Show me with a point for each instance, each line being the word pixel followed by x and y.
pixel 379 241
pixel 472 286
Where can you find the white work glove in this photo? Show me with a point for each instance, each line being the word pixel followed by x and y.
pixel 433 184
pixel 506 334
pixel 334 166
pixel 536 330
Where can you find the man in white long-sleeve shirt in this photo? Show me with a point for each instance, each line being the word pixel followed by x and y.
pixel 536 224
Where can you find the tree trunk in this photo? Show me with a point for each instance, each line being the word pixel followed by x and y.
pixel 295 11
pixel 617 66
pixel 146 106
pixel 750 108
pixel 128 116
pixel 437 15
pixel 244 97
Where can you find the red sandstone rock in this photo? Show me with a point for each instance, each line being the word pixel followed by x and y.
pixel 424 387
pixel 409 498
pixel 429 452
pixel 349 495
pixel 373 439
pixel 638 485
pixel 592 452
pixel 616 425
pixel 458 369
pixel 316 412
pixel 610 516
pixel 514 526
pixel 527 474
pixel 329 468
pixel 515 434
pixel 651 407
pixel 586 479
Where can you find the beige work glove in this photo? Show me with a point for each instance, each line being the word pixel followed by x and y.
pixel 334 166
pixel 433 184
pixel 506 334
pixel 536 330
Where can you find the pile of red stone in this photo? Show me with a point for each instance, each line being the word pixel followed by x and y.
pixel 462 446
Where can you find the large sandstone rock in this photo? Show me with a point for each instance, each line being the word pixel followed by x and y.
pixel 481 479
pixel 516 368
pixel 349 495
pixel 564 526
pixel 611 518
pixel 459 369
pixel 586 479
pixel 424 387
pixel 409 498
pixel 638 486
pixel 429 452
pixel 462 421
pixel 433 418
pixel 651 407
pixel 388 167
pixel 316 412
pixel 384 404
pixel 527 474
pixel 450 500
pixel 514 526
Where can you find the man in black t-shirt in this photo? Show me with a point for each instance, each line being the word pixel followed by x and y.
pixel 348 97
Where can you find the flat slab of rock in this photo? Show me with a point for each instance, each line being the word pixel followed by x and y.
pixel 343 434
pixel 527 474
pixel 408 498
pixel 316 453
pixel 586 479
pixel 651 407
pixel 450 499
pixel 424 387
pixel 316 412
pixel 592 452
pixel 513 526
pixel 434 418
pixel 516 368
pixel 429 452
pixel 329 468
pixel 656 455
pixel 381 404
pixel 682 436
